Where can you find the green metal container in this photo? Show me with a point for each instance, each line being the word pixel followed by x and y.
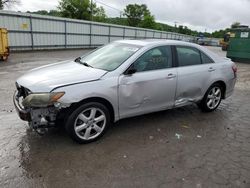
pixel 239 44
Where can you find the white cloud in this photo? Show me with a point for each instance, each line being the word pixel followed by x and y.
pixel 196 14
pixel 34 5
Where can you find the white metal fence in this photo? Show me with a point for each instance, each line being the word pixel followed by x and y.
pixel 33 32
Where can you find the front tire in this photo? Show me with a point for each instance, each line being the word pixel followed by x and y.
pixel 211 99
pixel 88 122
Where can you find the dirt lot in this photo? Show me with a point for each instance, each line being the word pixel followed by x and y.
pixel 176 148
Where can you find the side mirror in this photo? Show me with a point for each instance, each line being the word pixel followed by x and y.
pixel 130 71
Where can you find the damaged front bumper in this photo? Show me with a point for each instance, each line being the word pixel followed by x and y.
pixel 37 117
pixel 22 113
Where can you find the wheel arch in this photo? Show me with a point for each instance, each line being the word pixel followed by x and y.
pixel 223 85
pixel 101 100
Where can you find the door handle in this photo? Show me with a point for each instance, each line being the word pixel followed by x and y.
pixel 211 69
pixel 171 75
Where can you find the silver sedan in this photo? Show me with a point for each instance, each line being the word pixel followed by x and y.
pixel 120 80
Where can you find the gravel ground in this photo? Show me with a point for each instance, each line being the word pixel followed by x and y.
pixel 175 148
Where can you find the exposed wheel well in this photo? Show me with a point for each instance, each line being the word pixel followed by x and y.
pixel 96 99
pixel 223 85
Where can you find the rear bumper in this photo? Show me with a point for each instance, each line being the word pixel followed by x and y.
pixel 230 87
pixel 22 113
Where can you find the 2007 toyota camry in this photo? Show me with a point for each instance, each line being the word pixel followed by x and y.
pixel 119 80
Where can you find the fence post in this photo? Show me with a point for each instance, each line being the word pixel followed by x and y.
pixel 31 33
pixel 135 33
pixel 90 34
pixel 123 32
pixel 65 33
pixel 109 32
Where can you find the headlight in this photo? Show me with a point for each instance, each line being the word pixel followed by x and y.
pixel 41 99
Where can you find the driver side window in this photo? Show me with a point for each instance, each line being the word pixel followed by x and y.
pixel 154 59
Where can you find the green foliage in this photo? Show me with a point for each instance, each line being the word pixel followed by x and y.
pixel 78 9
pixel 118 21
pixel 140 16
pixel 1 5
pixel 48 13
pixel 220 33
pixel 136 14
pixel 81 9
pixel 235 25
pixel 8 3
pixel 148 22
pixel 99 14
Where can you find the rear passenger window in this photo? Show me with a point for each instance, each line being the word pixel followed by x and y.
pixel 188 56
pixel 205 59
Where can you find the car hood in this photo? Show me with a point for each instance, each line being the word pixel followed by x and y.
pixel 46 78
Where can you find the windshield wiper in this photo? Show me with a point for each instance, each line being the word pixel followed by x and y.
pixel 86 64
pixel 78 60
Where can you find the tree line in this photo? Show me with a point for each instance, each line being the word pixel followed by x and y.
pixel 135 15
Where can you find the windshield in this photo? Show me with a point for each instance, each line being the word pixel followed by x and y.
pixel 109 57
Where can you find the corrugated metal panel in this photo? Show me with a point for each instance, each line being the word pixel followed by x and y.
pixel 15 23
pixel 50 32
pixel 185 38
pixel 140 33
pixel 97 40
pixel 129 32
pixel 78 28
pixel 47 47
pixel 150 34
pixel 157 35
pixel 173 36
pixel 49 39
pixel 47 25
pixel 116 31
pixel 128 38
pixel 19 39
pixel 115 38
pixel 169 35
pixel 100 30
pixel 78 40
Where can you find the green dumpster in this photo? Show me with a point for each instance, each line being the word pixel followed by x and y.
pixel 239 44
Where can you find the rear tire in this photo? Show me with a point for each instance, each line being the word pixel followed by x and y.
pixel 88 122
pixel 212 98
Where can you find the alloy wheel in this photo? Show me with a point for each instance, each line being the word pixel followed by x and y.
pixel 90 123
pixel 213 98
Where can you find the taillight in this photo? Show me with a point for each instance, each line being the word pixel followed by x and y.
pixel 234 68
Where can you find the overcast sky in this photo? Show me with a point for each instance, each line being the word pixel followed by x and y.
pixel 201 15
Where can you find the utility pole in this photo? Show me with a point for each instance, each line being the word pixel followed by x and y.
pixel 91 7
pixel 175 24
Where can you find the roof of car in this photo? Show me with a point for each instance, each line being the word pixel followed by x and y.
pixel 145 42
pixel 151 42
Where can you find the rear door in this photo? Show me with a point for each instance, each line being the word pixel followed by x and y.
pixel 195 71
pixel 152 87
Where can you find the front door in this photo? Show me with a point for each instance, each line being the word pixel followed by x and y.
pixel 152 87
